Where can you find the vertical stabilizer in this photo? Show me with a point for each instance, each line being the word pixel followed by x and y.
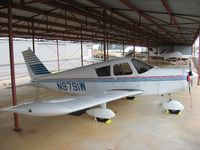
pixel 35 67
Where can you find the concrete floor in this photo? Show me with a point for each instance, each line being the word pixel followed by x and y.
pixel 139 124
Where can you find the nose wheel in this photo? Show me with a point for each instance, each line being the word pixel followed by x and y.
pixel 174 111
pixel 173 106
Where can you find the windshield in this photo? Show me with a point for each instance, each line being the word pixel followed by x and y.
pixel 140 66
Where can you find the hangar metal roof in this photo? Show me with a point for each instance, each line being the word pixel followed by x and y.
pixel 138 22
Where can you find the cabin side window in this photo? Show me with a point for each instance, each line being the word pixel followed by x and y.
pixel 103 71
pixel 122 69
pixel 140 66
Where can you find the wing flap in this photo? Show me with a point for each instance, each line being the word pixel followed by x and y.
pixel 70 104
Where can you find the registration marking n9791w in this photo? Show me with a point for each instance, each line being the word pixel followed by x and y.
pixel 71 86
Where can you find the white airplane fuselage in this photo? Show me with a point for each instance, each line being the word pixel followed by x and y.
pixel 85 79
pixel 103 82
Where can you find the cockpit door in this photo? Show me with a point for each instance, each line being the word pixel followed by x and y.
pixel 125 76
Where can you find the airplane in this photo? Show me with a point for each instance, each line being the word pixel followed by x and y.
pixel 114 52
pixel 171 57
pixel 98 84
pixel 117 54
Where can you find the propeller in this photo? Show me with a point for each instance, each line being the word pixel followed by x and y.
pixel 190 82
pixel 190 71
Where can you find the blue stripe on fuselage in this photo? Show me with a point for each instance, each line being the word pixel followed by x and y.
pixel 119 79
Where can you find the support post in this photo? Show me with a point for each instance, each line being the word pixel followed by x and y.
pixel 107 54
pixel 156 55
pixel 58 59
pixel 148 55
pixel 107 47
pixel 81 48
pixel 12 67
pixel 123 48
pixel 104 35
pixel 199 62
pixel 134 51
pixel 193 52
pixel 33 37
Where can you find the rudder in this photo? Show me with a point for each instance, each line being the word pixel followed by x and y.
pixel 35 67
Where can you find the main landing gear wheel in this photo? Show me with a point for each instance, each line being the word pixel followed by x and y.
pixel 102 114
pixel 107 121
pixel 102 119
pixel 130 97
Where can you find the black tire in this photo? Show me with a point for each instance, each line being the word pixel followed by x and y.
pixel 102 119
pixel 174 111
pixel 130 97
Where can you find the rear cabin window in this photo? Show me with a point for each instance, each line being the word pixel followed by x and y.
pixel 140 66
pixel 122 69
pixel 103 71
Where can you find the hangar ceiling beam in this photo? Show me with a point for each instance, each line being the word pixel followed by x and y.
pixel 190 19
pixel 53 36
pixel 169 11
pixel 32 1
pixel 44 29
pixel 92 14
pixel 51 14
pixel 43 22
pixel 69 16
pixel 103 5
pixel 174 14
pixel 172 18
pixel 133 7
pixel 82 12
pixel 99 34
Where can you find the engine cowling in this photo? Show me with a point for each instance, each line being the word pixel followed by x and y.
pixel 103 113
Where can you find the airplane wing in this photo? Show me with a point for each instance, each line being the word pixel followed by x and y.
pixel 70 104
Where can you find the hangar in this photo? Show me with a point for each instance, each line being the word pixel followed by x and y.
pixel 127 22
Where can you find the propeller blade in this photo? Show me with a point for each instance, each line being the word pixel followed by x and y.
pixel 190 97
pixel 190 65
pixel 191 83
pixel 190 68
pixel 190 92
